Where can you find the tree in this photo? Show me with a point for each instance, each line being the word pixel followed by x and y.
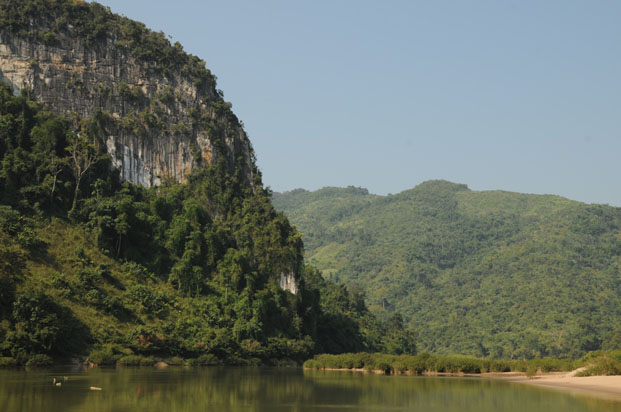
pixel 12 262
pixel 83 155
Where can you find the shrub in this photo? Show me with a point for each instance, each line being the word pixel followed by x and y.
pixel 107 356
pixel 604 365
pixel 152 302
pixel 6 362
pixel 384 367
pixel 399 367
pixel 130 360
pixel 39 361
pixel 62 284
pixel 416 364
pixel 499 366
pixel 136 360
pixel 208 360
pixel 115 307
pixel 147 361
pixel 531 371
pixel 175 361
pixel 94 298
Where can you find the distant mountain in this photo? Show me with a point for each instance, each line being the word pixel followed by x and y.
pixel 488 273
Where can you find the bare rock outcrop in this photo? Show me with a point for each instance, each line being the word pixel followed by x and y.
pixel 159 125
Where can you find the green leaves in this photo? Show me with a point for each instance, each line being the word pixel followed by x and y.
pixel 481 273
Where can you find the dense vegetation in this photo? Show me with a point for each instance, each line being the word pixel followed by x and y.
pixel 595 363
pixel 425 363
pixel 496 274
pixel 91 265
pixel 180 270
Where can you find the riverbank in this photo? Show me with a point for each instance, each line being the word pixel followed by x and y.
pixel 608 387
pixel 596 374
pixel 602 386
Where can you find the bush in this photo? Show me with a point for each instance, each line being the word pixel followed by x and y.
pixel 136 360
pixel 61 284
pixel 152 302
pixel 499 366
pixel 531 371
pixel 416 364
pixel 208 360
pixel 604 365
pixel 147 361
pixel 104 357
pixel 175 361
pixel 384 367
pixel 130 360
pixel 423 362
pixel 39 361
pixel 6 362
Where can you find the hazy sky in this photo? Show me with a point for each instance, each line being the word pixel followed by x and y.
pixel 515 95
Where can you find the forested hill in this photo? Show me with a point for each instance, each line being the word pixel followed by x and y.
pixel 134 225
pixel 483 273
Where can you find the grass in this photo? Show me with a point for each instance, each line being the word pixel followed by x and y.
pixel 427 363
pixel 602 364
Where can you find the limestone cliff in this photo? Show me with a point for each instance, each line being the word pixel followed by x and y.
pixel 158 111
pixel 164 114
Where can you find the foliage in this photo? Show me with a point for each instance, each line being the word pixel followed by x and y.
pixel 493 273
pixel 344 323
pixel 94 265
pixel 7 362
pixel 39 361
pixel 432 364
pixel 602 363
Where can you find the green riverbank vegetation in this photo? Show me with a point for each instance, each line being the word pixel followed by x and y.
pixel 595 363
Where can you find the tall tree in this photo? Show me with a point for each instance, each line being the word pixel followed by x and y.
pixel 83 155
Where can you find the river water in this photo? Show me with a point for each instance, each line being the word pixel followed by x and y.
pixel 274 389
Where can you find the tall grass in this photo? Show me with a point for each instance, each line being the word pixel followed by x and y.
pixel 427 363
pixel 602 363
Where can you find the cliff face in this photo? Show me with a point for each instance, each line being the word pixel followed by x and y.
pixel 159 126
pixel 156 109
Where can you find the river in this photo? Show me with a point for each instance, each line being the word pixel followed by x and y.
pixel 273 389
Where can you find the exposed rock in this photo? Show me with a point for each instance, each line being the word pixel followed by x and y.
pixel 152 126
pixel 288 282
pixel 161 365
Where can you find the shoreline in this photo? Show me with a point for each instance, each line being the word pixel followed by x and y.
pixel 608 387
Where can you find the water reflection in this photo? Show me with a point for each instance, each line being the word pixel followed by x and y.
pixel 272 389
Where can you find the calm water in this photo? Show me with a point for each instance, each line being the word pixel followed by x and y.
pixel 272 389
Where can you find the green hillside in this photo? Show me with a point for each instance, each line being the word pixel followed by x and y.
pixel 95 267
pixel 484 273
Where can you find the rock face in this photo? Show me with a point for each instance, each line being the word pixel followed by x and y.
pixel 156 109
pixel 288 281
pixel 158 126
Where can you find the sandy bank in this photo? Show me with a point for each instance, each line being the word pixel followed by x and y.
pixel 600 386
pixel 606 386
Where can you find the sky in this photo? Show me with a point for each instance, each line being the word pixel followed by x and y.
pixel 522 96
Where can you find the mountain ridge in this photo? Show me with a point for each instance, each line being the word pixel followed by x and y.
pixel 478 255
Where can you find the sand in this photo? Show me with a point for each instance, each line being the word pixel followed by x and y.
pixel 608 387
pixel 604 386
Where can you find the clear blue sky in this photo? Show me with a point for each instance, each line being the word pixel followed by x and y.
pixel 514 95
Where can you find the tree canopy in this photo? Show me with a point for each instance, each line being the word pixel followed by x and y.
pixel 481 273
